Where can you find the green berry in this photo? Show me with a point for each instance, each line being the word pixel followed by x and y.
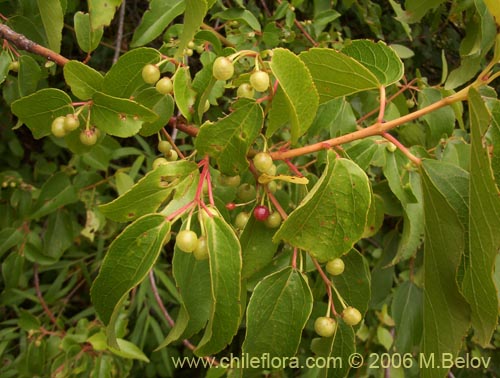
pixel 391 147
pixel 410 103
pixel 241 220
pixel 335 267
pixel 57 127
pixel 272 186
pixel 159 161
pixel 150 74
pixel 223 68
pixel 164 147
pixel 89 137
pixel 71 122
pixel 273 220
pixel 259 80
pixel 351 316
pixel 164 85
pixel 232 181
pixel 271 171
pixel 325 326
pixel 245 90
pixel 173 155
pixel 14 66
pixel 201 250
pixel 262 161
pixel 186 241
pixel 246 192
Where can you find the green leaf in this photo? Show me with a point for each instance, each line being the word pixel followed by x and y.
pixel 341 345
pixel 127 262
pixel 416 9
pixel 118 116
pixel 241 15
pixel 56 192
pixel 193 18
pixel 29 75
pixel 126 349
pixel 38 110
pixel 102 12
pixel 379 58
pixel 162 105
pixel 441 122
pixel 148 194
pixel 336 74
pixel 53 22
pixel 257 247
pixel 229 139
pixel 155 20
pixel 88 39
pixel 446 314
pixel 276 315
pixel 375 218
pixel 225 283
pixel 9 237
pixel 484 239
pixel 83 80
pixel 493 8
pixel 407 314
pixel 279 115
pixel 59 234
pixel 332 217
pixel 298 89
pixel 125 76
pixel 184 95
pixel 5 61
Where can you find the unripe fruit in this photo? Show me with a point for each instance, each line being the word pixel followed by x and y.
pixel 272 186
pixel 57 127
pixel 89 137
pixel 14 66
pixel 325 326
pixel 241 220
pixel 261 213
pixel 391 147
pixel 201 250
pixel 186 241
pixel 246 192
pixel 71 122
pixel 230 180
pixel 223 68
pixel 335 267
pixel 259 80
pixel 188 52
pixel 262 161
pixel 159 161
pixel 271 171
pixel 191 45
pixel 273 221
pixel 351 316
pixel 410 103
pixel 173 155
pixel 150 74
pixel 164 85
pixel 245 90
pixel 164 147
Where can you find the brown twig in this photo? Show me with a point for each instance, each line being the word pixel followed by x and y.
pixel 23 43
pixel 39 295
pixel 119 33
pixel 221 38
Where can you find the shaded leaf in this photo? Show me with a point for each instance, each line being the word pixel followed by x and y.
pixel 194 13
pixel 88 39
pixel 53 22
pixel 83 80
pixel 56 192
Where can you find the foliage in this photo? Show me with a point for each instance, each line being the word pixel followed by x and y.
pixel 383 154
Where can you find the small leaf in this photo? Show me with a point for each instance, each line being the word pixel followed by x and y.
pixel 5 61
pixel 53 22
pixel 380 59
pixel 194 14
pixel 155 20
pixel 441 122
pixel 129 67
pixel 56 192
pixel 162 105
pixel 384 337
pixel 241 15
pixel 118 116
pixel 276 315
pixel 298 89
pixel 88 39
pixel 225 283
pixel 148 194
pixel 332 217
pixel 126 349
pixel 416 9
pixel 29 75
pixel 9 237
pixel 184 95
pixel 38 110
pixel 59 234
pixel 102 12
pixel 336 74
pixel 127 262
pixel 83 80
pixel 229 139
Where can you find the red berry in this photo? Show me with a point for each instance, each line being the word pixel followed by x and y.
pixel 261 213
pixel 231 206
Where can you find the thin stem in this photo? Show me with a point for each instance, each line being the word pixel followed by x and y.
pixel 182 210
pixel 383 100
pixel 119 33
pixel 402 148
pixel 39 295
pixel 221 38
pixel 172 143
pixel 294 257
pixel 304 31
pixel 327 282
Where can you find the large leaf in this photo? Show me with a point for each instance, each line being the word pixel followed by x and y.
pixel 83 80
pixel 276 315
pixel 298 89
pixel 225 283
pixel 156 19
pixel 56 192
pixel 102 12
pixel 130 257
pixel 336 74
pixel 88 39
pixel 162 105
pixel 118 116
pixel 125 77
pixel 38 110
pixel 147 195
pixel 193 18
pixel 229 139
pixel 446 314
pixel 53 22
pixel 379 58
pixel 332 217
pixel 484 238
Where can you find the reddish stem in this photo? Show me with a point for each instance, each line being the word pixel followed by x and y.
pixel 402 148
pixel 293 168
pixel 327 282
pixel 294 257
pixel 179 211
pixel 46 308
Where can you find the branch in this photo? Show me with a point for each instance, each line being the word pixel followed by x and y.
pixel 119 34
pixel 23 43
